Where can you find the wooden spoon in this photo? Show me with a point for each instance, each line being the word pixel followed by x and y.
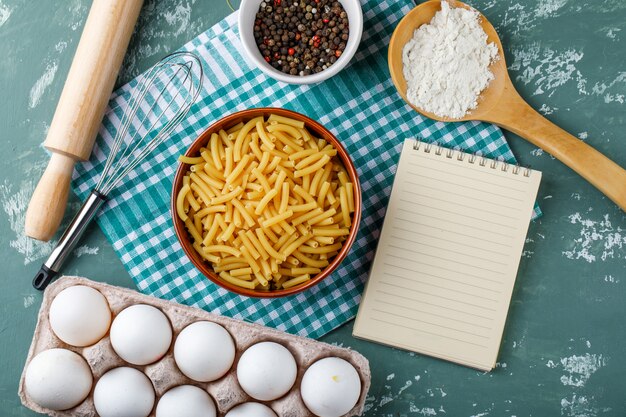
pixel 502 105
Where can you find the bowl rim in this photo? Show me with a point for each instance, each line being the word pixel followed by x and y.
pixel 183 237
pixel 252 52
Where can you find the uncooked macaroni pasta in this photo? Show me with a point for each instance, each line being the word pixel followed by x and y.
pixel 266 203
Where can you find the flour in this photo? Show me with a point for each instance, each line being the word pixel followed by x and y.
pixel 446 63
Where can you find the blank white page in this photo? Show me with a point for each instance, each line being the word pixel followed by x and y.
pixel 445 266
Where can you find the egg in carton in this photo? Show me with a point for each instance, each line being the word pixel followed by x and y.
pixel 164 373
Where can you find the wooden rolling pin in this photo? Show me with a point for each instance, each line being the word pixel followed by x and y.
pixel 81 107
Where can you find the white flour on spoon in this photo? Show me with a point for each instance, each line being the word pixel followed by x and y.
pixel 446 63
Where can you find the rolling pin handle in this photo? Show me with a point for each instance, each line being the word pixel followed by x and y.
pixel 43 278
pixel 47 205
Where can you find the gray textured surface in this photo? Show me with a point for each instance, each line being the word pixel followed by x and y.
pixel 563 351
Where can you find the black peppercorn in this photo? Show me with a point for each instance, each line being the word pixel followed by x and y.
pixel 301 37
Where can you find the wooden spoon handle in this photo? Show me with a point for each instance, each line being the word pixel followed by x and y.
pixel 519 117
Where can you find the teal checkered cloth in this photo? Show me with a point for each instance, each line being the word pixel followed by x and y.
pixel 360 106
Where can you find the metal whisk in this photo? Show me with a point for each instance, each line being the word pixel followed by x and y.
pixel 160 101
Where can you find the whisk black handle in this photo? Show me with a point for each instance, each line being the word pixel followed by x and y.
pixel 69 240
pixel 43 278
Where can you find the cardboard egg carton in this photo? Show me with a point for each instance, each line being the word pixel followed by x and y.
pixel 164 374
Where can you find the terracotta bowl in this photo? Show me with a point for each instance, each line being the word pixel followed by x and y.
pixel 319 131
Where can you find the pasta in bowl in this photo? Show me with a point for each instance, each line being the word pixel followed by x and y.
pixel 266 202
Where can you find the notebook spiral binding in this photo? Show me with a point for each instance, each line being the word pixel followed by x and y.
pixel 460 156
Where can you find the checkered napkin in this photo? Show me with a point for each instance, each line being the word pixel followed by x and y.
pixel 359 105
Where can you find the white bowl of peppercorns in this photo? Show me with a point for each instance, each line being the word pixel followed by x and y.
pixel 300 41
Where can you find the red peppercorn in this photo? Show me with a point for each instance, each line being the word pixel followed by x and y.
pixel 291 51
pixel 277 3
pixel 337 53
pixel 266 41
pixel 276 56
pixel 325 20
pixel 267 59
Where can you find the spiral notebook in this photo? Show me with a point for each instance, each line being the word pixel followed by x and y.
pixel 448 254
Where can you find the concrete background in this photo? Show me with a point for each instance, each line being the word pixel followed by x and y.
pixel 563 351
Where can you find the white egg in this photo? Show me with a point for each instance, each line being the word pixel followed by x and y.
pixel 80 315
pixel 204 351
pixel 141 334
pixel 266 371
pixel 58 379
pixel 330 387
pixel 123 392
pixel 251 410
pixel 186 401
